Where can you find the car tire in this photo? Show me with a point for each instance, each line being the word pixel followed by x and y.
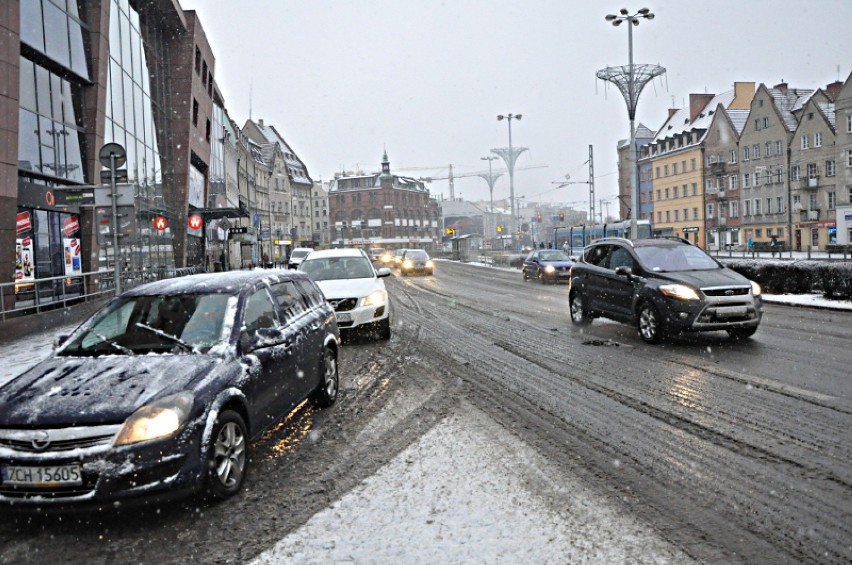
pixel 227 456
pixel 579 313
pixel 541 278
pixel 526 276
pixel 742 333
pixel 649 323
pixel 385 329
pixel 326 392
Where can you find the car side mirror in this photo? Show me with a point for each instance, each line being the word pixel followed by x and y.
pixel 624 271
pixel 383 272
pixel 262 337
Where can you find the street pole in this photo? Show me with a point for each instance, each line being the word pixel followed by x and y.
pixel 510 159
pixel 115 253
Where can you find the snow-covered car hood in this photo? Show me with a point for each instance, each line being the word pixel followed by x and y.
pixel 566 264
pixel 350 288
pixel 96 390
pixel 707 278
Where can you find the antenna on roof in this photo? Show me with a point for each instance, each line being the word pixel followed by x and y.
pixel 251 86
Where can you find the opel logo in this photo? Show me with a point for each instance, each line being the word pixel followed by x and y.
pixel 40 440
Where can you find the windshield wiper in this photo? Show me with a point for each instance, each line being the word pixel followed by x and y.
pixel 108 341
pixel 167 336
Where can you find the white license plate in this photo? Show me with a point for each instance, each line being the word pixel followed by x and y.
pixel 731 312
pixel 343 316
pixel 58 476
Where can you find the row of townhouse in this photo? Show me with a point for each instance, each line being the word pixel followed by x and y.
pixel 196 188
pixel 755 163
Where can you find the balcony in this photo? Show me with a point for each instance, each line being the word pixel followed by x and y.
pixel 809 215
pixel 718 168
pixel 810 183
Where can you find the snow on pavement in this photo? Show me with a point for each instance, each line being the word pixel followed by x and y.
pixel 470 492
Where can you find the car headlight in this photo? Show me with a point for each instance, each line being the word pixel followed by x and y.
pixel 430 264
pixel 755 288
pixel 162 418
pixel 549 269
pixel 378 298
pixel 679 291
pixel 407 264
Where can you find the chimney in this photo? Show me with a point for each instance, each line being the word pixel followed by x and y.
pixel 833 90
pixel 260 122
pixel 781 86
pixel 672 111
pixel 697 102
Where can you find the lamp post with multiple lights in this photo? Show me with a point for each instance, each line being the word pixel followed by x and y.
pixel 510 155
pixel 630 80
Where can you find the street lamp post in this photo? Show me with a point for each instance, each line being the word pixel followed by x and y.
pixel 630 80
pixel 510 157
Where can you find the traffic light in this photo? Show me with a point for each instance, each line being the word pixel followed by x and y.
pixel 450 231
pixel 561 216
pixel 538 218
pixel 499 229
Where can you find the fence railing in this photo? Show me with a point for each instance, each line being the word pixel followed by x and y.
pixel 35 296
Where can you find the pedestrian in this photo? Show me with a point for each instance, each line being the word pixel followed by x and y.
pixel 222 260
pixel 750 244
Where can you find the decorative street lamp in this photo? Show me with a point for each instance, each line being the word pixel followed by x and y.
pixel 630 80
pixel 510 155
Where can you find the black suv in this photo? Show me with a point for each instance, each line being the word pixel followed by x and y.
pixel 664 286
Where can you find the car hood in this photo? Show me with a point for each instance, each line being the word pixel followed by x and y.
pixel 705 279
pixel 349 288
pixel 67 391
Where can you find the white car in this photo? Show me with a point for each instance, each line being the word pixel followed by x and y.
pixel 297 256
pixel 353 287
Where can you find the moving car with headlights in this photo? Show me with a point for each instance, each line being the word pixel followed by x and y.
pixel 397 256
pixel 376 254
pixel 416 262
pixel 353 287
pixel 159 392
pixel 547 265
pixel 664 286
pixel 297 256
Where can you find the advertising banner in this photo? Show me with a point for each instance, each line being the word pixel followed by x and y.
pixel 73 263
pixel 24 262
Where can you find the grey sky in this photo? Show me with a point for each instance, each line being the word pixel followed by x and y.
pixel 342 80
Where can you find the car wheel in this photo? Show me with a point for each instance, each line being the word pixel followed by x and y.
pixel 326 392
pixel 384 329
pixel 579 313
pixel 226 457
pixel 742 333
pixel 526 276
pixel 650 324
pixel 541 278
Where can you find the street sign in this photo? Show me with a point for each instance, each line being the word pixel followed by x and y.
pixel 74 197
pixel 160 223
pixel 124 195
pixel 195 222
pixel 109 150
pixel 693 229
pixel 120 176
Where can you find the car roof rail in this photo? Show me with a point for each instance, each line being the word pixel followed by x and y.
pixel 674 238
pixel 613 238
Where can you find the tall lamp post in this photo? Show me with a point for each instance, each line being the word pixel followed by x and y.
pixel 510 155
pixel 630 80
pixel 490 179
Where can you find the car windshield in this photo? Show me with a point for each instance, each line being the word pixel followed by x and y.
pixel 417 255
pixel 554 256
pixel 675 258
pixel 337 268
pixel 300 253
pixel 154 324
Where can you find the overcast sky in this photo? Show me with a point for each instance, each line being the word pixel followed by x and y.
pixel 342 80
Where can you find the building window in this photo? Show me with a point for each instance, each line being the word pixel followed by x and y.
pixel 758 232
pixel 686 213
pixel 733 209
pixel 683 166
pixel 204 73
pixel 658 172
pixel 779 175
pixel 765 123
pixel 195 112
pixel 695 189
pixel 659 192
pixel 756 151
pixel 666 170
pixel 812 170
pixel 675 192
pixel 668 216
pixel 779 148
pixel 733 158
pixel 693 163
pixel 812 201
pixel 667 194
pixel 732 180
pixel 818 139
pixel 677 215
pixel 797 199
pixel 768 205
pixel 796 172
pixel 779 204
pixel 805 142
pixel 745 153
pixel 757 177
pixel 197 60
pixel 659 217
pixel 757 206
pixel 832 200
pixel 757 124
pixel 710 211
pixel 708 185
pixel 849 157
pixel 747 211
pixel 830 168
pixel 207 131
pixel 674 168
pixel 746 180
pixel 768 149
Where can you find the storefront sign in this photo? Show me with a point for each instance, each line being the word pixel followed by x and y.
pixel 24 224
pixel 160 223
pixel 24 262
pixel 71 226
pixel 195 222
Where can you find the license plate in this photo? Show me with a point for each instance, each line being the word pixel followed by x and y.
pixel 58 476
pixel 343 316
pixel 731 312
